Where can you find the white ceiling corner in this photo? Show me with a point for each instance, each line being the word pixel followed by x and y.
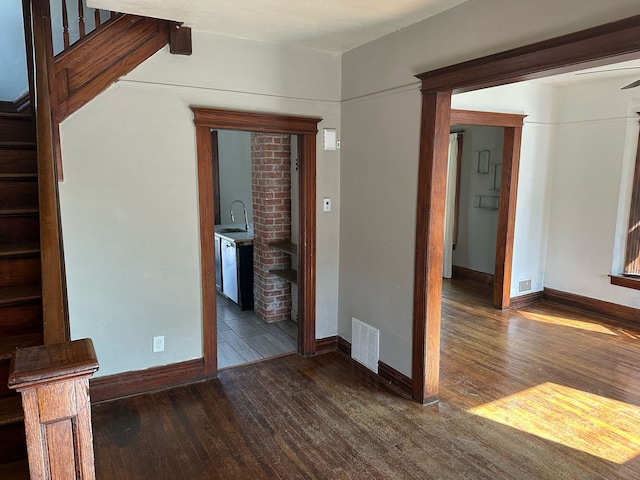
pixel 329 25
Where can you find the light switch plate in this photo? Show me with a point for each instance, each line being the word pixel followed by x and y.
pixel 326 204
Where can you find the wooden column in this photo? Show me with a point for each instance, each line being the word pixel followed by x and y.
pixel 432 183
pixel 507 217
pixel 54 383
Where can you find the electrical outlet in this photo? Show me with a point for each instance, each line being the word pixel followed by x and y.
pixel 158 344
pixel 326 204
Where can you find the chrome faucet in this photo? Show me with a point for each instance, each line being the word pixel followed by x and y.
pixel 246 220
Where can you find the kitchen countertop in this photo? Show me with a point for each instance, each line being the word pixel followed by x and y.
pixel 242 237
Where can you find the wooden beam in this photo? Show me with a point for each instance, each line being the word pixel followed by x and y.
pixel 604 44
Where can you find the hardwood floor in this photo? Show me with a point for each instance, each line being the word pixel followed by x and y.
pixel 538 393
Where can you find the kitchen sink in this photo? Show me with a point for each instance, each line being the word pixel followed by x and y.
pixel 231 230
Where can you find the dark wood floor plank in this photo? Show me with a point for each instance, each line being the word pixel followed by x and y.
pixel 547 367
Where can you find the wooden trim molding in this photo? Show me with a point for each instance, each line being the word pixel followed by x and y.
pixel 432 187
pixel 306 128
pixel 344 346
pixel 464 273
pixel 390 376
pixel 394 378
pixel 327 344
pixel 596 46
pixel 127 384
pixel 610 310
pixel 623 281
pixel 522 301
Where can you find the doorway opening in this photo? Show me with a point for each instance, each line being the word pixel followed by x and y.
pixel 255 181
pixel 617 41
pixel 304 130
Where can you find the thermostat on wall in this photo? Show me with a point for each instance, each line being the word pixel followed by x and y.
pixel 329 139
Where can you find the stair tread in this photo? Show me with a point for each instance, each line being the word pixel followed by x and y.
pixel 19 249
pixel 9 344
pixel 18 176
pixel 9 295
pixel 7 144
pixel 18 211
pixel 18 470
pixel 16 115
pixel 10 410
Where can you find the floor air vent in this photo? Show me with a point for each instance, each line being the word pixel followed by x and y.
pixel 365 342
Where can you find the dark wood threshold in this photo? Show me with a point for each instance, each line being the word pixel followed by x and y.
pixel 463 273
pixel 526 300
pixel 611 311
pixel 128 384
pixel 624 281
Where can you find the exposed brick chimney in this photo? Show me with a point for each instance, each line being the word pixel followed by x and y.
pixel 271 185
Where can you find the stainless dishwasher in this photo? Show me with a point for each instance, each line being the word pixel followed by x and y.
pixel 229 270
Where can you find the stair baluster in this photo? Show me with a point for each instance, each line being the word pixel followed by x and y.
pixel 81 17
pixel 65 24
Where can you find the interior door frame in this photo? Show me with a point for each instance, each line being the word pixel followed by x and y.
pixel 207 119
pixel 612 42
pixel 512 124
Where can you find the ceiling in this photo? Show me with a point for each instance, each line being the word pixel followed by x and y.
pixel 622 69
pixel 329 25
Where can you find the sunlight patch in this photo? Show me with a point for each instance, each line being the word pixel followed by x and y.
pixel 567 322
pixel 596 425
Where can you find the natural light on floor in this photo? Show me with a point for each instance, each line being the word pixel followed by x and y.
pixel 596 425
pixel 568 322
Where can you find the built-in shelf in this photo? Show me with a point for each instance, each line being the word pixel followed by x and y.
pixel 287 274
pixel 286 247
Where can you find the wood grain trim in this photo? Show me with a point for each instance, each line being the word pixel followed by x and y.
pixel 507 217
pixel 206 203
pixel 486 119
pixel 464 273
pixel 207 119
pixel 615 41
pixel 255 122
pixel 327 344
pixel 627 282
pixel 344 346
pixel 54 286
pixel 307 244
pixel 81 75
pixel 387 374
pixel 592 305
pixel 432 185
pixel 126 384
pixel 395 378
pixel 526 300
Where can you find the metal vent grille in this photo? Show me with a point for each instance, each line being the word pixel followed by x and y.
pixel 365 344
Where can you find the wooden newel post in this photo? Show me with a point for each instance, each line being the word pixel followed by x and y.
pixel 54 383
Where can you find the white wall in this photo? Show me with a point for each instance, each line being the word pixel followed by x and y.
pixel 380 138
pixel 234 155
pixel 593 170
pixel 13 59
pixel 477 227
pixel 130 207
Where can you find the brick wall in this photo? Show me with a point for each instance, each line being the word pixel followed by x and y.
pixel 271 186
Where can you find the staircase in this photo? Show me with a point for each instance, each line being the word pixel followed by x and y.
pixel 20 291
